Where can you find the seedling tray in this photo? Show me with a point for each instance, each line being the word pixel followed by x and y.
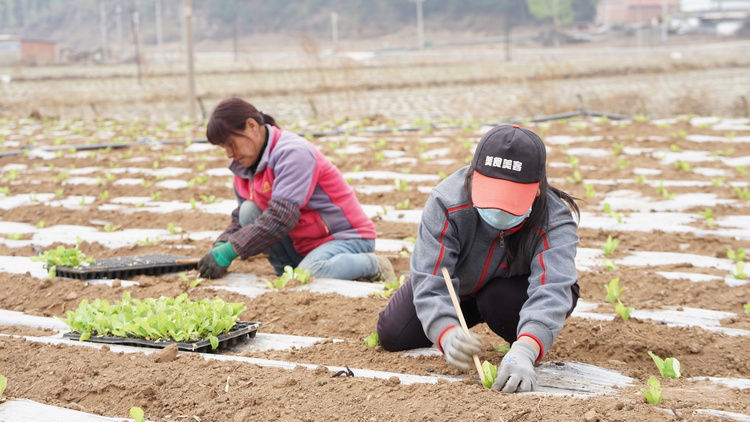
pixel 240 331
pixel 128 266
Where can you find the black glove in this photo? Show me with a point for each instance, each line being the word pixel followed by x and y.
pixel 209 268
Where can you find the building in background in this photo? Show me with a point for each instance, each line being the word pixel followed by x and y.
pixel 634 12
pixel 17 50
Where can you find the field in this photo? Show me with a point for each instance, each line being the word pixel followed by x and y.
pixel 672 190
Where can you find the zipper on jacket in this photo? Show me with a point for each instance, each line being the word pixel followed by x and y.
pixel 502 239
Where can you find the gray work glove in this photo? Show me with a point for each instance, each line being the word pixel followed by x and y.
pixel 516 372
pixel 209 268
pixel 459 348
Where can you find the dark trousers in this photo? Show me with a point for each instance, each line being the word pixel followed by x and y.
pixel 498 304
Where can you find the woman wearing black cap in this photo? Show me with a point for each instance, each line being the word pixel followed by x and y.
pixel 508 240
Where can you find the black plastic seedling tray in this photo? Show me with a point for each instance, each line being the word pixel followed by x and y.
pixel 240 331
pixel 128 266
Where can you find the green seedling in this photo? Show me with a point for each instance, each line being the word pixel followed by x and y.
pixel 490 373
pixel 616 215
pixel 138 204
pixel 653 394
pixel 64 257
pixel 674 148
pixel 747 308
pixel 391 286
pixel 708 216
pixel 3 386
pixel 41 224
pixel 609 264
pixel 137 414
pixel 155 196
pixel 15 236
pixel 171 319
pixel 32 197
pixel 401 185
pixel 622 164
pixel 574 161
pixel 640 179
pixel 682 133
pixel 442 175
pixel 742 170
pixel 575 178
pixel 743 193
pixel 302 276
pixel 111 228
pixel 5 190
pixel 379 156
pixel 736 256
pixel 623 310
pixel 668 368
pixel 590 191
pixel 617 148
pixel 641 118
pixel 193 204
pixel 173 229
pixel 614 291
pixel 501 348
pixel 683 165
pixel 83 200
pixel 147 183
pixel 194 283
pixel 148 241
pixel 403 205
pixel 739 271
pixel 372 340
pixel 718 181
pixel 208 199
pixel 610 245
pixel 661 190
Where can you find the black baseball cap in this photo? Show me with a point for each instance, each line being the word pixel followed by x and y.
pixel 508 165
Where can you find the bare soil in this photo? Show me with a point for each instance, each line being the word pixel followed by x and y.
pixel 186 386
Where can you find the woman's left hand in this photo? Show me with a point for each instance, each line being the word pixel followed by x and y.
pixel 516 373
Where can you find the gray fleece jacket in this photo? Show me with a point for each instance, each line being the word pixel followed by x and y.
pixel 451 234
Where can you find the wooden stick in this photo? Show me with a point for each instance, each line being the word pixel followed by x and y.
pixel 461 319
pixel 188 261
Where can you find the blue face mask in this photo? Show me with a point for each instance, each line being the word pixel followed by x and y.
pixel 500 219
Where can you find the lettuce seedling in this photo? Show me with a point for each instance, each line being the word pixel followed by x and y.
pixel 391 287
pixel 668 368
pixel 3 384
pixel 739 271
pixel 490 373
pixel 610 245
pixel 372 340
pixel 747 308
pixel 614 291
pixel 502 349
pixel 302 276
pixel 736 256
pixel 137 414
pixel 623 311
pixel 64 257
pixel 653 394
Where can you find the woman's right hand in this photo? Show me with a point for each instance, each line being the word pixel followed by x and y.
pixel 459 348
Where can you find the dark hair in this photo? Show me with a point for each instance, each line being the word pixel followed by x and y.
pixel 230 118
pixel 530 233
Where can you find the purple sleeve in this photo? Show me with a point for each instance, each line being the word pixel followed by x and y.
pixel 294 168
pixel 273 224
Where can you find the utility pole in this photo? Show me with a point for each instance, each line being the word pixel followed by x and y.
pixel 159 31
pixel 335 30
pixel 508 24
pixel 103 27
pixel 118 12
pixel 664 22
pixel 188 12
pixel 420 24
pixel 135 20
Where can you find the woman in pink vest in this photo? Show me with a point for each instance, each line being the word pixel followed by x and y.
pixel 293 204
